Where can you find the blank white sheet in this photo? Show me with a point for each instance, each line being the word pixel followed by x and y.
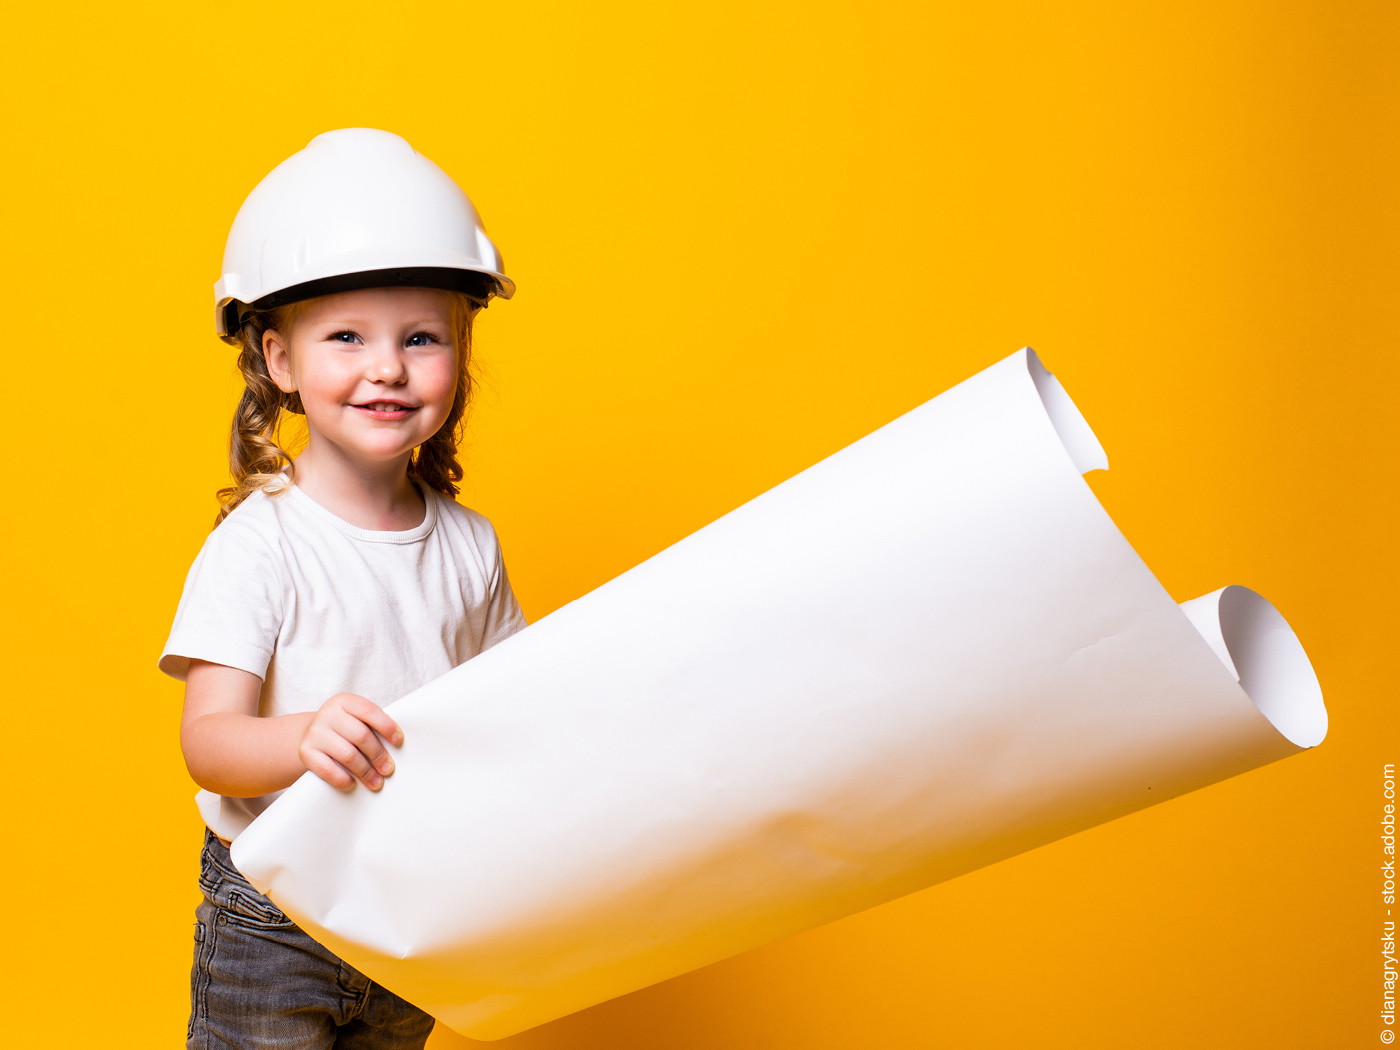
pixel 928 652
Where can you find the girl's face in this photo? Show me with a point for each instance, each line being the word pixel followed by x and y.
pixel 376 369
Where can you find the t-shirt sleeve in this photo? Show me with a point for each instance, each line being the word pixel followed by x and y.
pixel 232 606
pixel 503 614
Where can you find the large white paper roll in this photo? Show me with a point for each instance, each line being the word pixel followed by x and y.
pixel 928 652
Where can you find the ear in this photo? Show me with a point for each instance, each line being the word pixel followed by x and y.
pixel 277 355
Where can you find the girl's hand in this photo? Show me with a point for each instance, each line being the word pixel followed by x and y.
pixel 341 746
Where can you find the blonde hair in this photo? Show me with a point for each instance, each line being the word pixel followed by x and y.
pixel 256 457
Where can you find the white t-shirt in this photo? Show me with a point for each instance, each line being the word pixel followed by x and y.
pixel 315 606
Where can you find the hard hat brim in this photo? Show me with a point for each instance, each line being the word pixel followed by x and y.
pixel 479 284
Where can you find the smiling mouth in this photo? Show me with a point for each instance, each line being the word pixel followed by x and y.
pixel 385 409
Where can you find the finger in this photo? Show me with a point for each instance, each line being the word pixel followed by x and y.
pixel 349 756
pixel 327 749
pixel 374 716
pixel 366 741
pixel 329 770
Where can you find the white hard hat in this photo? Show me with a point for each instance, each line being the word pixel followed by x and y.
pixel 357 208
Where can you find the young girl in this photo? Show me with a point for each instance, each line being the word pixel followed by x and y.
pixel 337 583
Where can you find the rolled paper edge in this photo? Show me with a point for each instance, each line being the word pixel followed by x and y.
pixel 1263 653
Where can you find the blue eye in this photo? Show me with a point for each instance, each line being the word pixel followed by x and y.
pixel 421 339
pixel 344 337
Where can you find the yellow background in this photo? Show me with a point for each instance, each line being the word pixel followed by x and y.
pixel 744 236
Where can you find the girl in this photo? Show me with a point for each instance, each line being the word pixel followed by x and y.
pixel 335 583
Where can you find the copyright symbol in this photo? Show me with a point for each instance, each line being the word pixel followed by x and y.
pixel 1387 1036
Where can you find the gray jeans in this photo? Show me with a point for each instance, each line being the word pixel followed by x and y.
pixel 260 983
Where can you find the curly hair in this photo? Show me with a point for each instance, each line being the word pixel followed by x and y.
pixel 258 461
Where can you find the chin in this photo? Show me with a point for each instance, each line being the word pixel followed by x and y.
pixel 385 455
pixel 377 452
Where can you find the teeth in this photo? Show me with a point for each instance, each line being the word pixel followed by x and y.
pixel 384 406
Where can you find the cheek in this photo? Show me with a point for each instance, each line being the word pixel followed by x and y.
pixel 437 381
pixel 323 383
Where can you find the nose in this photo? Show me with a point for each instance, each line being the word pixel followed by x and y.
pixel 386 365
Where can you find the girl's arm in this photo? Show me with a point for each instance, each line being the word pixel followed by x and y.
pixel 231 751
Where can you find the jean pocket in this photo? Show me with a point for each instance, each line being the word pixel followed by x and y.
pixel 253 909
